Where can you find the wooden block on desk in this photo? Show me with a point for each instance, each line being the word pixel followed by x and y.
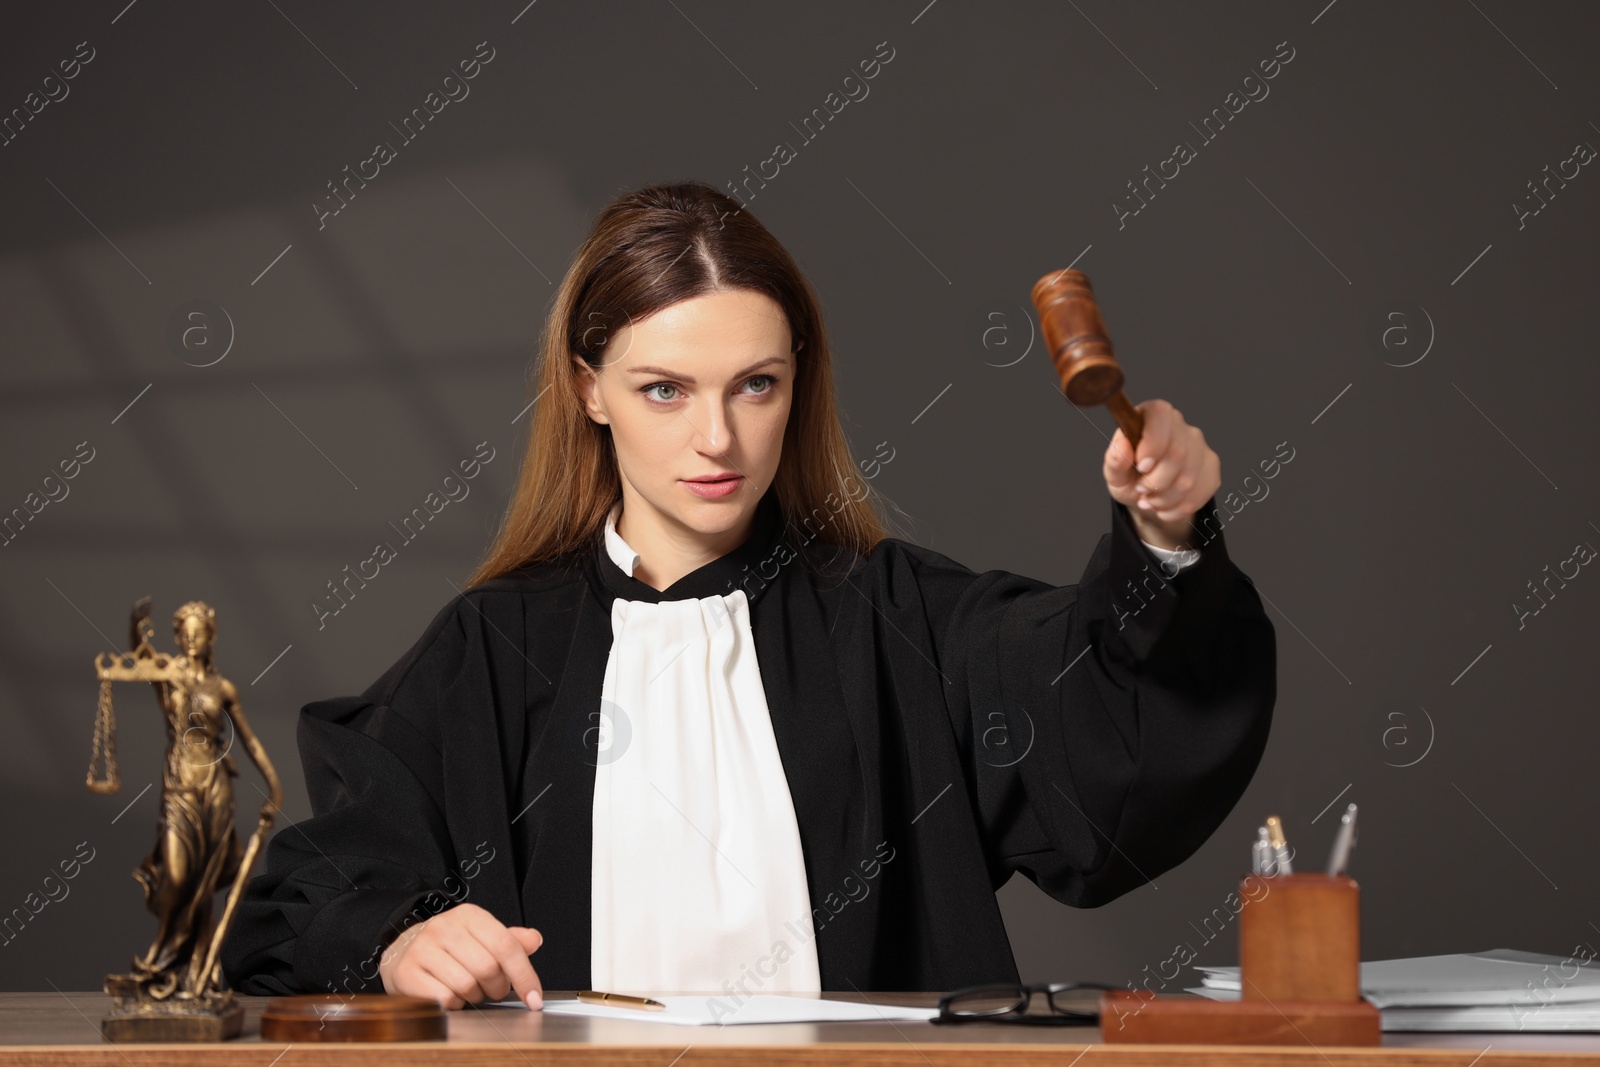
pixel 1127 1018
pixel 352 1017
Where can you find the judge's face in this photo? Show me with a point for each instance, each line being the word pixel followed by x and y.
pixel 701 389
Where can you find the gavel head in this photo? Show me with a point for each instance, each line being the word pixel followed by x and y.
pixel 1069 317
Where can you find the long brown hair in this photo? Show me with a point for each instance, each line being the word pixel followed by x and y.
pixel 650 249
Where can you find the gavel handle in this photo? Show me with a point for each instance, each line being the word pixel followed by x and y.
pixel 1128 417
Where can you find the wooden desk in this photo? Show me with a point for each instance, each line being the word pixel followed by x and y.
pixel 57 1029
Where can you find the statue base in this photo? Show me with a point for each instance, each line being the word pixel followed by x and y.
pixel 133 1019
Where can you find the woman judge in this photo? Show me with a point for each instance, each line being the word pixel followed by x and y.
pixel 697 724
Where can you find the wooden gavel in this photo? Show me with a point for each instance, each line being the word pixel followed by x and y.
pixel 1081 349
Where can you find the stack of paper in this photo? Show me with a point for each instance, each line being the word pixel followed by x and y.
pixel 1498 990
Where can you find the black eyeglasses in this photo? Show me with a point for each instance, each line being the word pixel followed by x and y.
pixel 1069 1004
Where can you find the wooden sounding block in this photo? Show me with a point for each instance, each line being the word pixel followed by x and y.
pixel 1300 973
pixel 352 1017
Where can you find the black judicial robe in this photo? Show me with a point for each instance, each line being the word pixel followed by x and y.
pixel 966 726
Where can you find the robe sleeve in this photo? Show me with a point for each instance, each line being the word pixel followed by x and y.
pixel 375 854
pixel 1106 728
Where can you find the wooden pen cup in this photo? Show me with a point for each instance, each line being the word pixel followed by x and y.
pixel 1299 976
pixel 1301 939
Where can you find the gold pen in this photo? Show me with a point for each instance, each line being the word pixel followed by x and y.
pixel 619 1000
pixel 1280 846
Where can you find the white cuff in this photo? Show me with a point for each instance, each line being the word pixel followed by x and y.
pixel 1182 557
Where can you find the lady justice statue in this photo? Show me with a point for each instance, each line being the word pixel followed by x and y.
pixel 174 991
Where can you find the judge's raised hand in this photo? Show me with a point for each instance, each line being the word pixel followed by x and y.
pixel 1172 475
pixel 463 956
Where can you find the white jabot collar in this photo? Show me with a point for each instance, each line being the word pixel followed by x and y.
pixel 685 741
pixel 619 551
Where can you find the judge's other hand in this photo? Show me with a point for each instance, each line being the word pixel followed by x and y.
pixel 463 956
pixel 1172 475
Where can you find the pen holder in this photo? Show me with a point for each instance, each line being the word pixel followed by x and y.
pixel 1299 970
pixel 1301 938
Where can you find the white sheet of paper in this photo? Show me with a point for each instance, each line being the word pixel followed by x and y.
pixel 727 1011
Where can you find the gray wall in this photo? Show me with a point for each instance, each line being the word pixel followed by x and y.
pixel 1434 477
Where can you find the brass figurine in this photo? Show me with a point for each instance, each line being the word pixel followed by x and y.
pixel 175 990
